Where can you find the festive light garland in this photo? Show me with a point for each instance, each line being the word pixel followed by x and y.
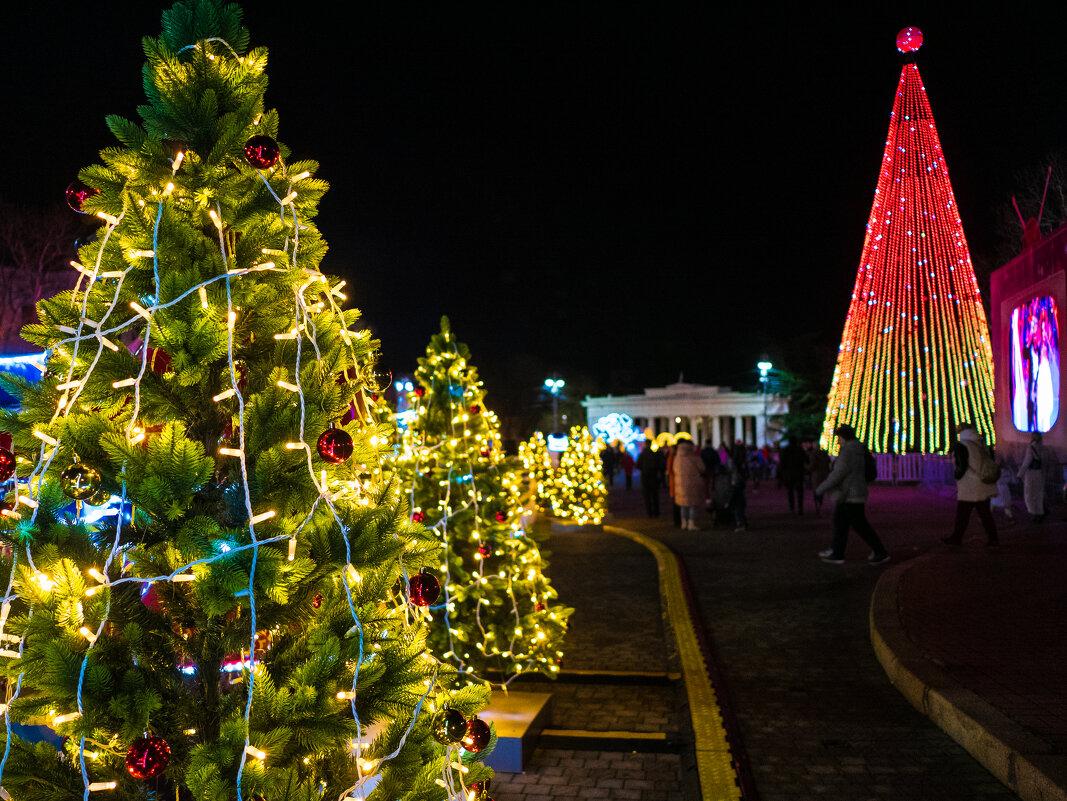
pixel 915 356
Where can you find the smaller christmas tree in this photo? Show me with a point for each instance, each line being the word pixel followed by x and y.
pixel 498 613
pixel 578 491
pixel 538 465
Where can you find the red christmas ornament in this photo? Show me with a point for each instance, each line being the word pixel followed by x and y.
pixel 150 596
pixel 159 361
pixel 423 588
pixel 485 550
pixel 540 607
pixel 501 517
pixel 316 601
pixel 485 454
pixel 420 391
pixel 477 736
pixel 262 152
pixel 77 193
pixel 147 757
pixel 909 40
pixel 7 464
pixel 335 445
pixel 481 791
pixel 475 409
pixel 418 517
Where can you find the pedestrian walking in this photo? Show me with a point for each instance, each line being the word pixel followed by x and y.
pixel 608 464
pixel 724 454
pixel 976 483
pixel 738 478
pixel 792 463
pixel 676 511
pixel 710 457
pixel 1032 473
pixel 1002 500
pixel 847 485
pixel 688 480
pixel 819 461
pixel 663 455
pixel 648 467
pixel 626 461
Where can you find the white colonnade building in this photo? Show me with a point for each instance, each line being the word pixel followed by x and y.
pixel 705 412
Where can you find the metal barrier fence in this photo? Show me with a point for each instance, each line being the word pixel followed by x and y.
pixel 919 468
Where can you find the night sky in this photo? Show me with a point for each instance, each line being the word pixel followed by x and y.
pixel 614 192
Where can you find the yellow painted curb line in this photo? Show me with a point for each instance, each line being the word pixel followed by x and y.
pixel 715 766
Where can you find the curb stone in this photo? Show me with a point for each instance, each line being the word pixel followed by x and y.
pixel 1023 762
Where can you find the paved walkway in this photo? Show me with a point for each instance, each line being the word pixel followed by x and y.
pixel 819 717
pixel 617 626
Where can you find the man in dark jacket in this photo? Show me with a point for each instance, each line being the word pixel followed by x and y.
pixel 648 466
pixel 709 455
pixel 792 463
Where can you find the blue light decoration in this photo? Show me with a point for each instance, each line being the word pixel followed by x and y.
pixel 28 366
pixel 557 443
pixel 616 426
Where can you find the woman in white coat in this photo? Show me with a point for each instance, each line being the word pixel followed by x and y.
pixel 1032 473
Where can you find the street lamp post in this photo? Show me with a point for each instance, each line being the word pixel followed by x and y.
pixel 554 385
pixel 764 377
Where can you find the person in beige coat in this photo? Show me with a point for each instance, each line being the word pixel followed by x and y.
pixel 687 471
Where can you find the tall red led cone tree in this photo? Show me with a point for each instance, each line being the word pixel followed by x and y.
pixel 915 356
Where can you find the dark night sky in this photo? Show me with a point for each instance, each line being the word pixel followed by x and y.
pixel 613 191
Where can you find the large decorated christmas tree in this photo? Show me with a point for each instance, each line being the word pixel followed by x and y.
pixel 915 356
pixel 498 617
pixel 211 590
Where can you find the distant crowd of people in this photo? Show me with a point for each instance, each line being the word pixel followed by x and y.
pixel 716 478
pixel 711 477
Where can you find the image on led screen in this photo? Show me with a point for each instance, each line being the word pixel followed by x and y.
pixel 1035 365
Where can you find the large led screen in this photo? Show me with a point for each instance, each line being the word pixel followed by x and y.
pixel 1035 365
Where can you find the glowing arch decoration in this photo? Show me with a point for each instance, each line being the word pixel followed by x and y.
pixel 915 356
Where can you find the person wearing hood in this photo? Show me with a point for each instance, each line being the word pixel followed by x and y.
pixel 847 485
pixel 688 481
pixel 972 493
